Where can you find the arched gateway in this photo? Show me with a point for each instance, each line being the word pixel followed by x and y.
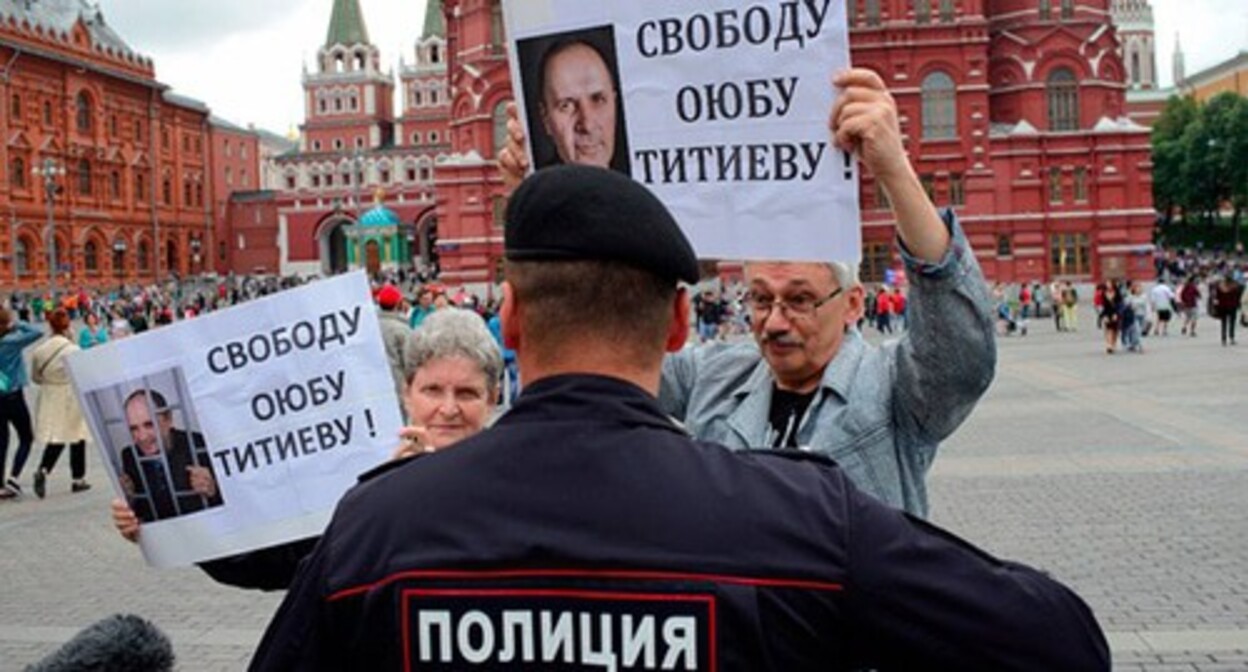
pixel 332 239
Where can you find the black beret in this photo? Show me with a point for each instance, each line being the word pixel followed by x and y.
pixel 574 212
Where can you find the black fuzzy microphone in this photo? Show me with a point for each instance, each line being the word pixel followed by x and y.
pixel 116 644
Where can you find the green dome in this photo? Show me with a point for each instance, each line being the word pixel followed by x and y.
pixel 379 216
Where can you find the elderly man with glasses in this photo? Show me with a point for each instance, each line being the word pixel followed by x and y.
pixel 809 381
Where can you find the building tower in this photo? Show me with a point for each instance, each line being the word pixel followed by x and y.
pixel 353 150
pixel 1134 19
pixel 426 101
pixel 469 189
pixel 348 101
pixel 1179 63
pixel 426 105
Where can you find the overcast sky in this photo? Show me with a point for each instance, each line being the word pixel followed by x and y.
pixel 244 58
pixel 1212 31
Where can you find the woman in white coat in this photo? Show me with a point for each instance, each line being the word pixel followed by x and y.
pixel 58 418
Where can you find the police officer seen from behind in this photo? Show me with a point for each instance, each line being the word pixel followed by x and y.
pixel 585 530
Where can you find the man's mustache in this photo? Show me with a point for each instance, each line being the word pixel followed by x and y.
pixel 780 338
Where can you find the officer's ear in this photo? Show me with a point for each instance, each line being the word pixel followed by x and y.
pixel 509 318
pixel 678 332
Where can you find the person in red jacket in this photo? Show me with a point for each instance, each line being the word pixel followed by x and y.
pixel 1189 304
pixel 899 307
pixel 884 311
pixel 1226 298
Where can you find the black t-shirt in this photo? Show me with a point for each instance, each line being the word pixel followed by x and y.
pixel 787 409
pixel 712 312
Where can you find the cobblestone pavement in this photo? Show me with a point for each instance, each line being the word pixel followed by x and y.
pixel 1125 476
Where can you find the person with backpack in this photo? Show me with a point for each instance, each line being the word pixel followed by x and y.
pixel 15 336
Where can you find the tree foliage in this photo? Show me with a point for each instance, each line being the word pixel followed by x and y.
pixel 1200 157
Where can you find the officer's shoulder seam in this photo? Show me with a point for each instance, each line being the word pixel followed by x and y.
pixel 386 467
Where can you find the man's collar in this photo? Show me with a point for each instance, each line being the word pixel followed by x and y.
pixel 760 379
pixel 839 373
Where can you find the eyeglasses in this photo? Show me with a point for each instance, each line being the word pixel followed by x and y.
pixel 802 305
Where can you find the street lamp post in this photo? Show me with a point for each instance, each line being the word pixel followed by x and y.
pixel 409 232
pixel 49 171
pixel 1212 144
pixel 357 178
pixel 119 258
pixel 196 246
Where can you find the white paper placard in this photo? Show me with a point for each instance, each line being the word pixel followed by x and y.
pixel 284 402
pixel 720 107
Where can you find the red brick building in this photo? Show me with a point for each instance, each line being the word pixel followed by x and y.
pixel 134 194
pixel 1014 114
pixel 1013 110
pixel 250 243
pixel 235 168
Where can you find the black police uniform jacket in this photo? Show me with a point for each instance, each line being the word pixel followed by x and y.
pixel 586 531
pixel 270 568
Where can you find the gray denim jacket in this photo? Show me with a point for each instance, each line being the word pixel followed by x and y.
pixel 880 412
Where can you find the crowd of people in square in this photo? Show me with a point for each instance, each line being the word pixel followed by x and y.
pixel 1187 288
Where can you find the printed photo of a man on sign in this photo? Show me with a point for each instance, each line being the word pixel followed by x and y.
pixel 165 467
pixel 727 114
pixel 571 84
